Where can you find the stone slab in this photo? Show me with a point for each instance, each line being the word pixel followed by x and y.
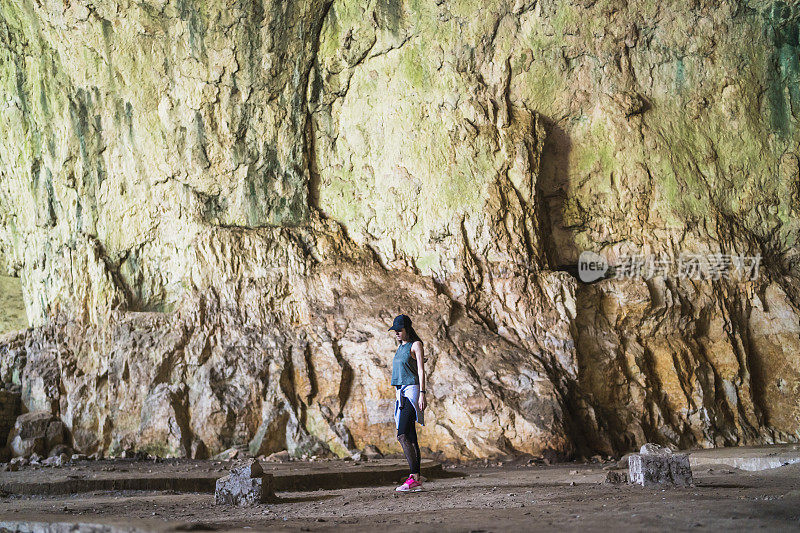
pixel 25 526
pixel 195 477
pixel 751 458
pixel 662 470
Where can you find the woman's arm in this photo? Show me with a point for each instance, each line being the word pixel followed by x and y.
pixel 419 352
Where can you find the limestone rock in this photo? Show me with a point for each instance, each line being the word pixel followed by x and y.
pixel 616 477
pixel 163 427
pixel 243 491
pixel 211 223
pixel 12 304
pixel 372 452
pixel 60 449
pixel 9 411
pixel 33 425
pixel 12 359
pixel 623 462
pixel 30 434
pixel 654 449
pixel 56 460
pixel 660 469
pixel 226 455
pixel 36 432
pixel 250 470
pixel 278 457
pixel 245 485
pixel 55 434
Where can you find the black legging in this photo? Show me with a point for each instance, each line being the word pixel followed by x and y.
pixel 407 434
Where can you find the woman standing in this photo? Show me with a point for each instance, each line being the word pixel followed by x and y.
pixel 408 376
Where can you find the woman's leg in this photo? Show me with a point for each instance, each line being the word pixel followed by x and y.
pixel 413 437
pixel 407 435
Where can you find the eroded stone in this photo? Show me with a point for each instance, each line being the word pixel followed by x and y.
pixel 245 485
pixel 616 477
pixel 278 457
pixel 668 469
pixel 9 411
pixel 36 433
pixel 250 470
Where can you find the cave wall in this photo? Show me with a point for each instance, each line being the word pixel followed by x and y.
pixel 216 209
pixel 12 305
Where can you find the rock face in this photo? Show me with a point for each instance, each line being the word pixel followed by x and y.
pixel 9 411
pixel 35 432
pixel 215 210
pixel 12 306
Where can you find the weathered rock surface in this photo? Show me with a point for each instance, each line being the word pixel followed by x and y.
pixel 56 460
pixel 37 432
pixel 615 477
pixel 660 469
pixel 372 452
pixel 9 411
pixel 250 470
pixel 278 457
pixel 245 485
pixel 215 209
pixel 12 305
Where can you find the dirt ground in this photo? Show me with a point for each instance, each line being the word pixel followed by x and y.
pixel 495 498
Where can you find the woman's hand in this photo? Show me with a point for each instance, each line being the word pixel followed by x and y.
pixel 421 403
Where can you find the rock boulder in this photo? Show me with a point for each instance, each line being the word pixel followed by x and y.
pixel 245 485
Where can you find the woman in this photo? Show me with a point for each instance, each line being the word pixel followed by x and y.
pixel 408 376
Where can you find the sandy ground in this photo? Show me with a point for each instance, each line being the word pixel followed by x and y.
pixel 504 498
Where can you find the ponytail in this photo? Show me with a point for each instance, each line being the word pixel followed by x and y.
pixel 412 335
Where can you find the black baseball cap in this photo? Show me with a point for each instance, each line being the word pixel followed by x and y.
pixel 400 322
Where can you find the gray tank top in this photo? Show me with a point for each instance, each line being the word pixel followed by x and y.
pixel 404 367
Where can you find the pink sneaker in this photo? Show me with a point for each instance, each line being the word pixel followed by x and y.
pixel 410 485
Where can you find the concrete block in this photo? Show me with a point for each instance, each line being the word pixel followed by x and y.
pixel 661 469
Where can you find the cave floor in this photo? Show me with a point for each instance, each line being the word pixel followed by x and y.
pixel 191 475
pixel 510 497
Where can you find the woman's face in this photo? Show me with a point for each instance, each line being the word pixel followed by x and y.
pixel 402 335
